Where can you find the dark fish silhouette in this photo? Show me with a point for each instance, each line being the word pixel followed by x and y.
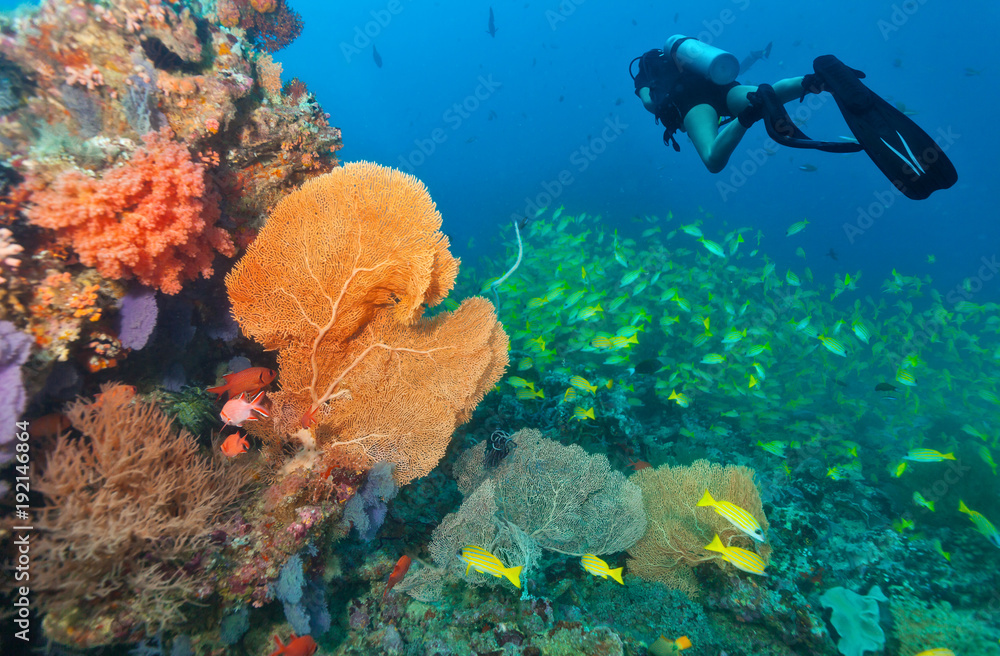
pixel 378 57
pixel 832 255
pixel 754 57
pixel 885 387
pixel 808 168
pixel 492 28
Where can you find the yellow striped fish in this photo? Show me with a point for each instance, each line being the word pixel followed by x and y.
pixel 984 525
pixel 681 399
pixel 483 561
pixel 940 651
pixel 582 384
pixel 738 517
pixel 601 342
pixel 529 393
pixel 928 455
pixel 580 413
pixel 598 567
pixel 742 559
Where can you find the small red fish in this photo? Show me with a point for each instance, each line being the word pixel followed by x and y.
pixel 234 445
pixel 303 646
pixel 638 464
pixel 249 381
pixel 398 572
pixel 238 411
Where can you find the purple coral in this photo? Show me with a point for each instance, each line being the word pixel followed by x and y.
pixel 137 317
pixel 15 347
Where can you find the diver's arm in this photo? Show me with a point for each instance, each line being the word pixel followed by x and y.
pixel 647 101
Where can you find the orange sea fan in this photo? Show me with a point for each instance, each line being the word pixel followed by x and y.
pixel 337 281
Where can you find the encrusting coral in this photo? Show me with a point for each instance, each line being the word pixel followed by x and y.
pixel 337 281
pixel 679 529
pixel 130 507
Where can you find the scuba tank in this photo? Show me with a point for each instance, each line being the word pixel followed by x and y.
pixel 711 63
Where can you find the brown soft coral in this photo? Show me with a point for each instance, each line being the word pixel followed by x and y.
pixel 129 509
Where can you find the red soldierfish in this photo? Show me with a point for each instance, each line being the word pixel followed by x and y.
pixel 234 445
pixel 249 381
pixel 398 572
pixel 303 646
pixel 239 410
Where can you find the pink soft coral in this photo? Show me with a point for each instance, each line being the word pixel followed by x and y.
pixel 152 218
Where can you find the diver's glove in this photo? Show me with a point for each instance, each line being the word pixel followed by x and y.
pixel 752 112
pixel 813 83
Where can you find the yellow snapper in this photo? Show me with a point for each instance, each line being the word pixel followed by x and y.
pixel 987 457
pixel 984 525
pixel 775 447
pixel 580 413
pixel 905 377
pixel 742 559
pixel 681 399
pixel 939 651
pixel 834 346
pixel 927 455
pixel 712 247
pixel 921 501
pixel 692 230
pixel 737 516
pixel 754 351
pixel 619 341
pixel 734 336
pixel 518 382
pixel 527 394
pixel 601 342
pixel 525 364
pixel 572 299
pixel 861 331
pixel 598 567
pixel 582 384
pixel 713 358
pixel 483 561
pixel 630 277
pixel 796 228
pixel 792 279
pixel 617 303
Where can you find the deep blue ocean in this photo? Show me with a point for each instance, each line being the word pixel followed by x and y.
pixel 491 124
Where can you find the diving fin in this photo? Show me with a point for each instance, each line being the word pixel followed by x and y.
pixel 782 129
pixel 905 154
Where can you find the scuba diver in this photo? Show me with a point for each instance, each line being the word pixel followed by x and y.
pixel 689 85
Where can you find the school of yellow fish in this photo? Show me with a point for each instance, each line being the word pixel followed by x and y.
pixel 769 355
pixel 787 358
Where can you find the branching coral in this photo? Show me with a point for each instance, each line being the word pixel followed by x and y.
pixel 679 529
pixel 152 218
pixel 336 282
pixel 128 513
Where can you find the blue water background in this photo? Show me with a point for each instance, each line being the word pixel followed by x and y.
pixel 564 78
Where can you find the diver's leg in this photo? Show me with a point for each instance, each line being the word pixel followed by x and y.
pixel 714 146
pixel 788 89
